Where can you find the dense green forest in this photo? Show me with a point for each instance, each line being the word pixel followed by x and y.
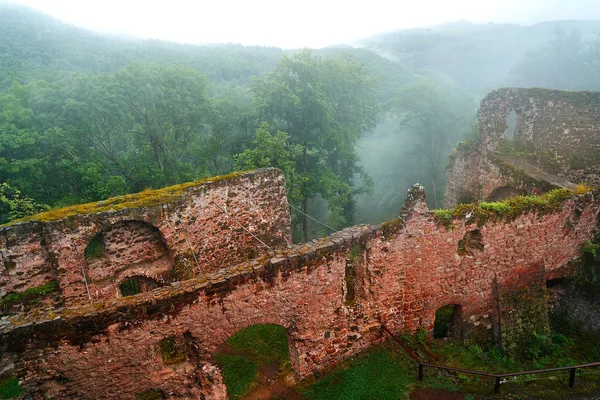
pixel 85 116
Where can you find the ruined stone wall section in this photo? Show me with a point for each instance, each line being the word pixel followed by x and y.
pixel 200 230
pixel 24 259
pixel 419 269
pixel 562 128
pixel 404 271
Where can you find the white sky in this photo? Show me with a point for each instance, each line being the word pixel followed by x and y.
pixel 293 24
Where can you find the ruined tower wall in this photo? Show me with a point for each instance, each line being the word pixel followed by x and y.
pixel 556 131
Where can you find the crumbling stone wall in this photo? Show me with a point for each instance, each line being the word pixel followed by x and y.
pixel 200 229
pixel 24 257
pixel 331 296
pixel 557 131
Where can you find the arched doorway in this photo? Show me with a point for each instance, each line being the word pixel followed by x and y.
pixel 448 322
pixel 256 358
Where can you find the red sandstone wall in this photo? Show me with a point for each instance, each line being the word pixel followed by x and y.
pixel 404 272
pixel 24 259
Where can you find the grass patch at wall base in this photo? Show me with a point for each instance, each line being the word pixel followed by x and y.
pixel 378 375
pixel 247 352
pixel 10 388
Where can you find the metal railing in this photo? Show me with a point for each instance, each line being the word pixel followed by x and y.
pixel 498 377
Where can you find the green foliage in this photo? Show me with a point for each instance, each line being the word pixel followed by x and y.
pixel 30 295
pixel 323 105
pixel 130 287
pixel 14 205
pixel 376 375
pixel 420 336
pixel 238 373
pixel 274 151
pixel 588 270
pixel 10 388
pixel 94 249
pixel 443 315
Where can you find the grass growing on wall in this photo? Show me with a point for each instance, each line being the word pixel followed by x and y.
pixel 146 198
pixel 507 210
pixel 378 375
pixel 30 295
pixel 250 350
pixel 10 388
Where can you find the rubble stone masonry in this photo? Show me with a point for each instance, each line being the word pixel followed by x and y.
pixel 557 132
pixel 331 295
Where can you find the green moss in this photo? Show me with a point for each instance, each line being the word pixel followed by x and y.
pixel 444 218
pixel 507 210
pixel 169 352
pixel 10 388
pixel 147 198
pixel 30 295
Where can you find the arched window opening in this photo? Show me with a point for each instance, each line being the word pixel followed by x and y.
pixel 448 322
pixel 95 248
pixel 137 284
pixel 511 125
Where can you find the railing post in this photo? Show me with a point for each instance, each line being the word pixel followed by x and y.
pixel 420 371
pixel 497 385
pixel 572 378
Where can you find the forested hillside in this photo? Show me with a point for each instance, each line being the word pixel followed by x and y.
pixel 85 116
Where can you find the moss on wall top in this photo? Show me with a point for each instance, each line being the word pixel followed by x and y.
pixel 507 210
pixel 146 198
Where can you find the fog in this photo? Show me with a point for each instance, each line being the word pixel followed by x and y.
pixel 385 109
pixel 310 23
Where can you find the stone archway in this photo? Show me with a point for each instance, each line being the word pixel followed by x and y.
pixel 256 360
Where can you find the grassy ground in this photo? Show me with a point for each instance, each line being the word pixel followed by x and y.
pixel 250 351
pixel 380 374
pixel 9 388
pixel 386 372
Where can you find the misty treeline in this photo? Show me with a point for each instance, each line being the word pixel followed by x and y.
pixel 86 117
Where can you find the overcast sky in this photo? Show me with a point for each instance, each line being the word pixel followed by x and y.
pixel 293 24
